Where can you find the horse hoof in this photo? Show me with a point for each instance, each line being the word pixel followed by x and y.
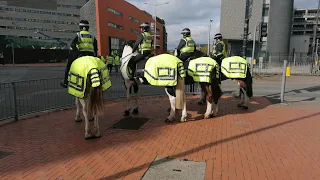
pixel 239 105
pixel 126 113
pixel 78 120
pixel 183 120
pixel 88 136
pixel 98 135
pixel 208 116
pixel 168 120
pixel 244 107
pixel 135 111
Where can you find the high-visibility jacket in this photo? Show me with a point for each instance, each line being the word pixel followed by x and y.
pixel 163 69
pixel 117 60
pixel 103 59
pixel 235 67
pixel 224 51
pixel 79 70
pixel 189 47
pixel 109 59
pixel 146 42
pixel 85 41
pixel 200 69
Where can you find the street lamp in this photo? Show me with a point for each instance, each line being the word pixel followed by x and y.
pixel 208 49
pixel 155 21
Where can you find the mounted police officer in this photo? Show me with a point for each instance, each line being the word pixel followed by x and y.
pixel 144 44
pixel 219 52
pixel 187 46
pixel 84 44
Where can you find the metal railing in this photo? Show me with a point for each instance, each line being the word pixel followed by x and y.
pixel 28 97
pixel 296 68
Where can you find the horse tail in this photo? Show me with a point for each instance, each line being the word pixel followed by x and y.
pixel 248 82
pixel 215 88
pixel 94 104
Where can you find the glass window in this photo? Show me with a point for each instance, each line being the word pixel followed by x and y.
pixel 134 31
pixel 115 12
pixel 133 19
pixel 115 26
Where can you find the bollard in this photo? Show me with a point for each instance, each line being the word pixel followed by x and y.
pixel 283 84
pixel 288 71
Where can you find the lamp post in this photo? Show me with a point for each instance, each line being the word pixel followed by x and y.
pixel 155 21
pixel 209 32
pixel 315 29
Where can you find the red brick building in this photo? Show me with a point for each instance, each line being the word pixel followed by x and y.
pixel 117 21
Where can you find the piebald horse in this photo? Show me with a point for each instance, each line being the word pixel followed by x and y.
pixel 212 89
pixel 92 102
pixel 133 84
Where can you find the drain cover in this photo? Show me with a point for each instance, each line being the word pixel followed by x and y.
pixel 4 154
pixel 131 123
pixel 175 169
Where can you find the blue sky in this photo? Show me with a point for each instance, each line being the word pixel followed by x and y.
pixel 193 14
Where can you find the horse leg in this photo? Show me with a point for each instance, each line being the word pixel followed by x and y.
pixel 136 97
pixel 205 88
pixel 184 112
pixel 78 117
pixel 172 99
pixel 244 97
pixel 127 111
pixel 86 120
pixel 96 125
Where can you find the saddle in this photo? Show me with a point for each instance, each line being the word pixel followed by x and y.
pixel 139 71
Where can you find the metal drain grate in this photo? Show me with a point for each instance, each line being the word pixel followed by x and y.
pixel 131 123
pixel 4 154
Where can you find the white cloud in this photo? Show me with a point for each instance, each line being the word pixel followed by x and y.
pixel 193 14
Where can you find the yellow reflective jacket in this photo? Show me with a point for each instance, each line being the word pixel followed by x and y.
pixel 162 70
pixel 234 67
pixel 200 69
pixel 79 71
pixel 86 41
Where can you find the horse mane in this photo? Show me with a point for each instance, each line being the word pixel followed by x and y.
pixel 94 101
pixel 130 43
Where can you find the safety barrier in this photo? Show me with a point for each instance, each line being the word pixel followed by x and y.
pixel 28 97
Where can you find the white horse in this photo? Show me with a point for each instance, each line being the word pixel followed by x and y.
pixel 92 102
pixel 133 83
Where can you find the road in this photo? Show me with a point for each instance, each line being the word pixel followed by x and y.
pixel 45 94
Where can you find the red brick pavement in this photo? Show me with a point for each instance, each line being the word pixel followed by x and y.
pixel 266 142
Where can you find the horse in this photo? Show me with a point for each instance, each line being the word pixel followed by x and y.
pixel 134 82
pixel 211 89
pixel 92 87
pixel 241 74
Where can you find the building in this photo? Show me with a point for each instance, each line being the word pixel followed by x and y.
pixel 276 14
pixel 303 24
pixel 232 23
pixel 19 20
pixel 114 22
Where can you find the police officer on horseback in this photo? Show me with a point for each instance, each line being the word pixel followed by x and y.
pixel 143 43
pixel 84 44
pixel 219 52
pixel 187 46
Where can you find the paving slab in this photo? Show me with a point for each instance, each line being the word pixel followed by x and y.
pixel 264 142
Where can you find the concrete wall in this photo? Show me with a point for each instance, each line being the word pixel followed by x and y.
pixel 280 22
pixel 299 43
pixel 88 12
pixel 232 18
